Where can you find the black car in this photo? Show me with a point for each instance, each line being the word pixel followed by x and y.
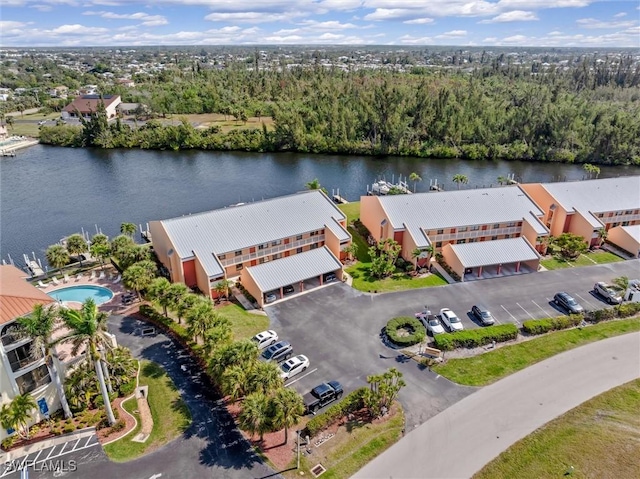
pixel 322 395
pixel 570 305
pixel 330 277
pixel 277 352
pixel 288 289
pixel 483 315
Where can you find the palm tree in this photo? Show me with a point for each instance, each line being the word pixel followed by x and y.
pixel 139 276
pixel 88 328
pixel 16 415
pixel 240 353
pixel 76 245
pixel 460 179
pixel 100 251
pixel 415 177
pixel 57 256
pixel 264 378
pixel 255 417
pixel 234 382
pixel 128 229
pixel 99 239
pixel 502 180
pixel 9 121
pixel 222 287
pixel 603 234
pixel 200 318
pixel 120 242
pixel 315 185
pixel 216 337
pixel 159 290
pixel 287 408
pixel 39 326
pixel 351 250
pixel 178 292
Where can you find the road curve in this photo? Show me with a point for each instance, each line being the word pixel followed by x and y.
pixel 459 441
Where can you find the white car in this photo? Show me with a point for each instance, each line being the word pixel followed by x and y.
pixel 450 320
pixel 294 366
pixel 265 339
pixel 431 322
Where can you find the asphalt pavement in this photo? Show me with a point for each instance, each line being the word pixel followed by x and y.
pixel 461 440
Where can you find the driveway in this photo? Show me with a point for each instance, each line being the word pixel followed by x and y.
pixel 460 441
pixel 338 328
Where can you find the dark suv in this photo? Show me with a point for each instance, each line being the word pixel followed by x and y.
pixel 277 352
pixel 288 289
pixel 329 278
pixel 483 315
pixel 569 304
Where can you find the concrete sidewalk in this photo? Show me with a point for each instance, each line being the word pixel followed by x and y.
pixel 462 439
pixel 46 443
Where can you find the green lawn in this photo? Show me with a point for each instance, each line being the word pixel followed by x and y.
pixel 363 247
pixel 352 210
pixel 489 367
pixel 244 325
pixel 600 438
pixel 587 259
pixel 171 417
pixel 397 282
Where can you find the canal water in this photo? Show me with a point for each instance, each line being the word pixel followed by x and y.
pixel 47 193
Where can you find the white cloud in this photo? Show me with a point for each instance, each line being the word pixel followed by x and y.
pixel 147 20
pixel 77 29
pixel 419 21
pixel 409 40
pixel 595 23
pixel 10 25
pixel 490 40
pixel 247 17
pixel 620 15
pixel 513 16
pixel 329 25
pixel 453 34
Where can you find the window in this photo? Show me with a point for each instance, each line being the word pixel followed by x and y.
pixel 298 238
pixel 519 223
pixel 238 253
pixel 511 224
pixel 461 241
pixel 261 260
pixel 299 250
pixel 625 223
pixel 33 379
pixel 239 267
pixel 496 226
pixel 507 236
pixel 313 233
pixel 438 244
pixel 9 335
pixel 276 242
pixel 440 232
pixel 475 228
pixel 472 240
pixel 462 229
pixel 21 357
pixel 263 246
pixel 493 238
pixel 630 212
pixel 277 256
pixel 222 256
pixel 314 245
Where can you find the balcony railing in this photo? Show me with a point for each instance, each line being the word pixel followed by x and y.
pixel 18 364
pixel 511 231
pixel 262 253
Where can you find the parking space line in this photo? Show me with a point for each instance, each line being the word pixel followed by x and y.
pixel 526 311
pixel 586 301
pixel 88 441
pixel 541 308
pixel 512 316
pixel 51 452
pixel 63 446
pixel 76 444
pixel 301 377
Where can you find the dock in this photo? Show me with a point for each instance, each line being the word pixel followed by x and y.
pixel 335 195
pixel 145 234
pixel 381 187
pixel 16 143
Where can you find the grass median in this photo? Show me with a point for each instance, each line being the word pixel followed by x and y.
pixel 489 367
pixel 171 417
pixel 599 438
pixel 363 281
pixel 587 259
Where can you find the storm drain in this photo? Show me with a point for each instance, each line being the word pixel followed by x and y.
pixel 318 470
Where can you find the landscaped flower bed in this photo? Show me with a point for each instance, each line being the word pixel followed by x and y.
pixel 405 331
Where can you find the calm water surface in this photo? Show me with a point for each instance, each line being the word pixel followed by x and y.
pixel 47 193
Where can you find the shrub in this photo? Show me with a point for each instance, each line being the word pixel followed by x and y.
pixel 8 442
pixel 351 402
pixel 540 326
pixel 602 315
pixel 476 337
pixel 628 309
pixel 127 388
pixel 118 426
pixel 68 428
pixel 416 335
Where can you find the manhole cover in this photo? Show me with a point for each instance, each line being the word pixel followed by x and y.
pixel 317 470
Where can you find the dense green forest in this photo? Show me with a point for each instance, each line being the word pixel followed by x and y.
pixel 586 113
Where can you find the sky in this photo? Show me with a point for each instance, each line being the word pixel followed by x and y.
pixel 544 23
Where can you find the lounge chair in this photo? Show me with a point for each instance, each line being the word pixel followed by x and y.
pixel 65 278
pixel 55 281
pixel 41 284
pixel 117 280
pixel 79 277
pixel 93 276
pixel 102 275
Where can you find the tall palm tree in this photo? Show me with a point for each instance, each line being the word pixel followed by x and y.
pixel 39 326
pixel 603 234
pixel 178 294
pixel 159 290
pixel 16 415
pixel 222 287
pixel 460 179
pixel 57 256
pixel 287 408
pixel 76 245
pixel 128 229
pixel 502 180
pixel 216 337
pixel 100 251
pixel 88 328
pixel 264 378
pixel 120 242
pixel 242 353
pixel 139 276
pixel 200 318
pixel 255 417
pixel 415 177
pixel 234 382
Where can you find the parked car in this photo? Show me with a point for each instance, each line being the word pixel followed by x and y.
pixel 565 301
pixel 270 297
pixel 288 289
pixel 610 295
pixel 322 395
pixel 330 277
pixel 450 320
pixel 483 315
pixel 431 322
pixel 277 352
pixel 294 366
pixel 265 339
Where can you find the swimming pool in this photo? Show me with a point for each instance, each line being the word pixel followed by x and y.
pixel 80 293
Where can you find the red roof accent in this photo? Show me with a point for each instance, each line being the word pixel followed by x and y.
pixel 88 103
pixel 17 296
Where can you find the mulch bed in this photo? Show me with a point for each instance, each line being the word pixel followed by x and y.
pixel 107 434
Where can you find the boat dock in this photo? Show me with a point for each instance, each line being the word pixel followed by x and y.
pixel 335 195
pixel 9 146
pixel 382 187
pixel 145 234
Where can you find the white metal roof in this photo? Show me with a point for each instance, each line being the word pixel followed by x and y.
pixel 633 231
pixel 487 253
pixel 234 228
pixel 338 230
pixel 461 208
pixel 210 263
pixel 609 194
pixel 293 269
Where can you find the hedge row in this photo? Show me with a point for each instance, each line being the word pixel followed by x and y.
pixel 622 311
pixel 472 338
pixel 407 322
pixel 351 402
pixel 150 313
pixel 541 326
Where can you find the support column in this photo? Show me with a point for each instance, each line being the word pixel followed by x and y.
pixel 301 286
pixel 518 267
pixel 499 269
pixel 480 272
pixel 321 277
pixel 281 292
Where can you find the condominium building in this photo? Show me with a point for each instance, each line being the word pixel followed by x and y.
pixel 303 233
pixel 480 233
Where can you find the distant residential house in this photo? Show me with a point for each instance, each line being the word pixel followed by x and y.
pixel 127 82
pixel 60 91
pixel 86 104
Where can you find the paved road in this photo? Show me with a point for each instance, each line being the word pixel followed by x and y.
pixel 211 448
pixel 461 440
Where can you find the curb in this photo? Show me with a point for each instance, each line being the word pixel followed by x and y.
pixel 45 443
pixel 135 421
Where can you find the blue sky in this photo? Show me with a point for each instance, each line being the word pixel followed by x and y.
pixel 552 23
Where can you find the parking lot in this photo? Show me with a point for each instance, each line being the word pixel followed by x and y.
pixel 338 328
